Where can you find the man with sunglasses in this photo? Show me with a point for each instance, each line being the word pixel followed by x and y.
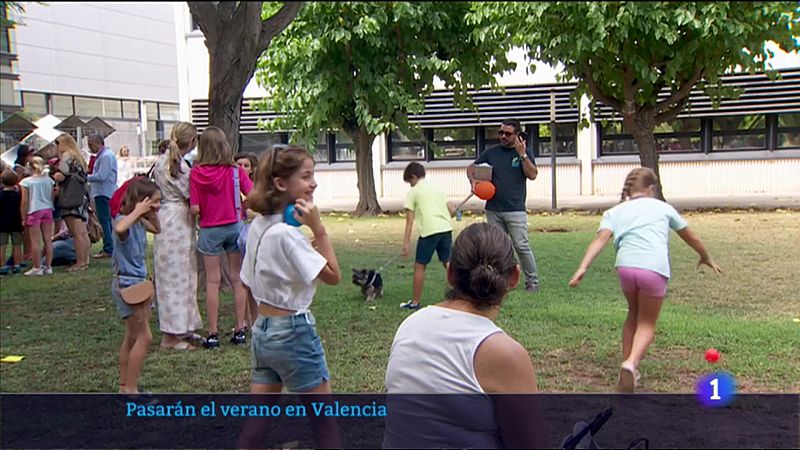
pixel 512 166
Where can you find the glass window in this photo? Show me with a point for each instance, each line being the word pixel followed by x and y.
pixel 169 111
pixel 152 110
pixel 5 42
pixel 319 150
pixel 345 149
pixel 454 143
pixel 739 133
pixel 88 107
pixel 403 147
pixel 258 142
pixel 680 135
pixel 62 106
pixel 7 66
pixel 789 130
pixel 565 139
pixel 35 103
pixel 130 110
pixel 112 108
pixel 9 94
pixel 615 141
pixel 490 138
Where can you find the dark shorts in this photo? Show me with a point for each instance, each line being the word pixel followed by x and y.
pixel 442 243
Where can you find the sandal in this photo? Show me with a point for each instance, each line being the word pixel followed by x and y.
pixel 181 346
pixel 77 268
pixel 627 379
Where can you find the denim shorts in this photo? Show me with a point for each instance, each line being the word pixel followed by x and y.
pixel 442 243
pixel 213 241
pixel 287 350
pixel 123 309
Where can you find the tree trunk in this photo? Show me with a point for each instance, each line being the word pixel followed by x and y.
pixel 228 77
pixel 641 126
pixel 235 37
pixel 367 197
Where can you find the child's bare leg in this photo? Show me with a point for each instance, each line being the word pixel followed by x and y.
pixel 16 252
pixel 239 291
pixel 35 234
pixel 629 328
pixel 324 429
pixel 211 264
pixel 419 282
pixel 140 330
pixel 649 308
pixel 47 236
pixel 252 306
pixel 124 355
pixel 254 429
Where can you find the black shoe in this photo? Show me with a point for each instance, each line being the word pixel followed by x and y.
pixel 239 338
pixel 212 341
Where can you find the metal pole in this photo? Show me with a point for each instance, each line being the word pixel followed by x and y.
pixel 553 201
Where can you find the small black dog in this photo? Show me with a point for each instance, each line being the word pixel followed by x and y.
pixel 370 281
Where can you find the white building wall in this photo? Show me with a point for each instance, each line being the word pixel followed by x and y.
pixel 693 178
pixel 117 50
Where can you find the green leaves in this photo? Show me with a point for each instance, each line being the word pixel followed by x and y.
pixel 341 65
pixel 659 44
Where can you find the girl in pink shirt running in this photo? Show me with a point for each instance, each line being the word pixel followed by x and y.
pixel 214 186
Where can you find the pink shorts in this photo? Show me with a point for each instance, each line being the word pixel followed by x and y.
pixel 633 281
pixel 39 217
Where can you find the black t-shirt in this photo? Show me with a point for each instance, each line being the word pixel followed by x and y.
pixel 10 215
pixel 508 177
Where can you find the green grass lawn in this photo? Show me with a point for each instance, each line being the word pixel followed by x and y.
pixel 68 330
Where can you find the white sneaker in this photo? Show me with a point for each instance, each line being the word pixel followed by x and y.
pixel 47 270
pixel 34 272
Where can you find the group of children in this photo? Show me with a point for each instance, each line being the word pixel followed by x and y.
pixel 275 279
pixel 26 206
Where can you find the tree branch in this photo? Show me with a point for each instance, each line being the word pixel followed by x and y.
pixel 275 24
pixel 681 93
pixel 594 89
pixel 671 114
pixel 207 17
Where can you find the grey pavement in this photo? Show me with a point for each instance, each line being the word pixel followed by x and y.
pixel 600 203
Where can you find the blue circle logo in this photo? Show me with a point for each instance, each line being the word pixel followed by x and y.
pixel 716 390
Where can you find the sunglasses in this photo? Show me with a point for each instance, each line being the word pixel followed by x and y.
pixel 505 133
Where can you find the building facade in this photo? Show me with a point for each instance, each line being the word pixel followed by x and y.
pixel 114 61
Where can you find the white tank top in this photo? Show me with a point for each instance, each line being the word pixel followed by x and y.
pixel 434 350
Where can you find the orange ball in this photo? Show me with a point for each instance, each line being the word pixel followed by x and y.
pixel 485 190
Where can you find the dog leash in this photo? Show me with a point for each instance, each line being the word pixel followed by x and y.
pixel 388 262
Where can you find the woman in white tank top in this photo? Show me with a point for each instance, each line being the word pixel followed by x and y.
pixel 456 348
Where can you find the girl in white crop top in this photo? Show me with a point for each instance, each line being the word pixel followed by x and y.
pixel 456 348
pixel 281 268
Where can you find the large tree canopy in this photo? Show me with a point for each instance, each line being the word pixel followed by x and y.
pixel 361 67
pixel 236 36
pixel 625 53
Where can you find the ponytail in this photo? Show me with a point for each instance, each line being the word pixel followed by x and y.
pixel 637 180
pixel 175 159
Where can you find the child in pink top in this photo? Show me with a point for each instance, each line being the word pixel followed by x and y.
pixel 213 196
